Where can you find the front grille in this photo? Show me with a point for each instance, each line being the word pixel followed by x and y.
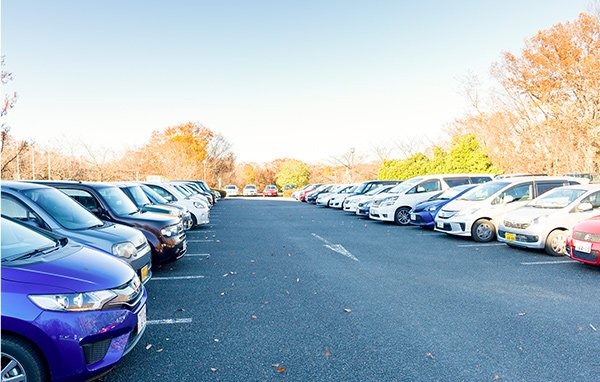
pixel 511 224
pixel 142 249
pixel 128 295
pixel 592 256
pixel 520 238
pixel 96 351
pixel 418 219
pixel 586 236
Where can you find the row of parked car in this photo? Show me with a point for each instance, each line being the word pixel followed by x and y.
pixel 251 190
pixel 75 258
pixel 559 214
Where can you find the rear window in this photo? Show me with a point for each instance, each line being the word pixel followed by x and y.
pixel 453 182
pixel 543 187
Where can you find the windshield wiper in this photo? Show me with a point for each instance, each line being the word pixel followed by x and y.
pixel 33 253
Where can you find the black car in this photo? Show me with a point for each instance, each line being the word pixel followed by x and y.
pixel 164 233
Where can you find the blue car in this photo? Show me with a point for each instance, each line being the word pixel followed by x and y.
pixel 424 213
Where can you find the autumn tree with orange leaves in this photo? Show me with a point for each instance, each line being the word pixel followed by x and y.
pixel 547 115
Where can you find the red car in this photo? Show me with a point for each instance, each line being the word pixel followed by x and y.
pixel 307 189
pixel 270 190
pixel 584 242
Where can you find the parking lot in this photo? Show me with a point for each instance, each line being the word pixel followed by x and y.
pixel 275 289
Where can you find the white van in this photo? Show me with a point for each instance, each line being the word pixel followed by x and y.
pixel 395 205
pixel 478 212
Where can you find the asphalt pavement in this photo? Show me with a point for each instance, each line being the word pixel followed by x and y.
pixel 279 290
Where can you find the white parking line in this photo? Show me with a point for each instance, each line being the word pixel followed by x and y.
pixel 202 231
pixel 335 247
pixel 170 321
pixel 200 241
pixel 197 255
pixel 176 278
pixel 480 245
pixel 429 234
pixel 549 262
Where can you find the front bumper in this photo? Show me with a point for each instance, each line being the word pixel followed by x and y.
pixel 453 226
pixel 521 238
pixel 85 345
pixel 363 211
pixel 173 249
pixel 142 265
pixel 350 207
pixel 591 258
pixel 422 219
pixel 382 213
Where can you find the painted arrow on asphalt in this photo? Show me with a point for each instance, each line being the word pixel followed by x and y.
pixel 335 247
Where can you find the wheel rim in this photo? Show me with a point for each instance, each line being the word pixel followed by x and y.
pixel 484 231
pixel 558 243
pixel 403 217
pixel 12 370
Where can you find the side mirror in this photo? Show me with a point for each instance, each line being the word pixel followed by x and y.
pixel 99 211
pixel 585 206
pixel 509 199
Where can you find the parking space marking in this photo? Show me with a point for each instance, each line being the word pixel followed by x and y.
pixel 170 321
pixel 335 247
pixel 197 255
pixel 200 241
pixel 481 245
pixel 202 231
pixel 429 234
pixel 549 262
pixel 176 278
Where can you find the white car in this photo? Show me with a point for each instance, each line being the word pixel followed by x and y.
pixel 352 202
pixel 324 198
pixel 250 190
pixel 338 198
pixel 395 206
pixel 479 212
pixel 199 210
pixel 231 190
pixel 545 222
pixel 191 194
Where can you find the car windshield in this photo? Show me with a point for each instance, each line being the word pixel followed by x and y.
pixel 117 201
pixel 156 197
pixel 483 192
pixel 250 187
pixel 349 190
pixel 182 190
pixel 557 198
pixel 405 186
pixel 19 242
pixel 270 188
pixel 67 212
pixel 375 191
pixel 451 193
pixel 230 187
pixel 138 196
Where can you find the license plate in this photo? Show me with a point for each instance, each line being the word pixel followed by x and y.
pixel 583 246
pixel 144 272
pixel 510 236
pixel 184 246
pixel 141 316
pixel 413 216
pixel 440 225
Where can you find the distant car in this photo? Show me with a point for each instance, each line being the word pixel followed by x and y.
pixel 337 199
pixel 324 199
pixel 231 190
pixel 46 207
pixel 198 208
pixel 69 312
pixel 296 194
pixel 288 187
pixel 352 202
pixel 583 244
pixel 546 221
pixel 478 213
pixel 250 190
pixel 157 199
pixel 423 214
pixel 306 190
pixel 270 190
pixel 164 233
pixel 312 196
pixel 361 189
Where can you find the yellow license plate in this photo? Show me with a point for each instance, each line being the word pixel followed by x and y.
pixel 144 272
pixel 510 236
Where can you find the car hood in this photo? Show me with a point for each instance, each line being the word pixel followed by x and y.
pixel 591 225
pixel 382 196
pixel 526 214
pixel 105 236
pixel 152 218
pixel 458 205
pixel 74 267
pixel 434 203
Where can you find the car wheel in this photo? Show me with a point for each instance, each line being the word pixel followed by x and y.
pixel 556 243
pixel 21 361
pixel 402 216
pixel 483 231
pixel 329 203
pixel 194 221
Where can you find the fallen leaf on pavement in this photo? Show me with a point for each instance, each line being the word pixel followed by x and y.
pixel 281 370
pixel 218 241
pixel 159 350
pixel 521 314
pixel 148 346
pixel 253 316
pixel 275 365
pixel 216 340
pixel 180 310
pixel 347 310
pixel 496 376
pixel 327 352
pixel 226 274
pixel 265 302
pixel 429 355
pixel 298 279
pixel 213 369
pixel 593 328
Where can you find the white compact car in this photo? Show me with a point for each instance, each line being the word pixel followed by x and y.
pixel 545 222
pixel 324 198
pixel 352 202
pixel 198 209
pixel 479 212
pixel 395 205
pixel 337 199
pixel 231 190
pixel 250 190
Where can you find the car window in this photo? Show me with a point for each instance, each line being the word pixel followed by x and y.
pixel 18 240
pixel 13 208
pixel 427 186
pixel 453 182
pixel 593 199
pixel 117 201
pixel 480 179
pixel 543 187
pixel 83 197
pixel 519 193
pixel 162 192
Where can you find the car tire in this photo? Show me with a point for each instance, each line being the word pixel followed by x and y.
pixel 556 243
pixel 194 221
pixel 26 357
pixel 483 231
pixel 402 216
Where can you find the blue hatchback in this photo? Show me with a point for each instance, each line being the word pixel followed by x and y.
pixel 425 212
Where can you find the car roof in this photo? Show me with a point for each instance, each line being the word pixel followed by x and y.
pixel 16 185
pixel 95 185
pixel 521 179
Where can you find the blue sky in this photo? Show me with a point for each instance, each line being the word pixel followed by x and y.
pixel 304 79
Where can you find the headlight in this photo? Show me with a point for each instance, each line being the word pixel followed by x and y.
pixel 199 205
pixel 431 209
pixel 468 211
pixel 170 230
pixel 73 302
pixel 126 249
pixel 389 201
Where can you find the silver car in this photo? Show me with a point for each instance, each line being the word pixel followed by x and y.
pixel 546 221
